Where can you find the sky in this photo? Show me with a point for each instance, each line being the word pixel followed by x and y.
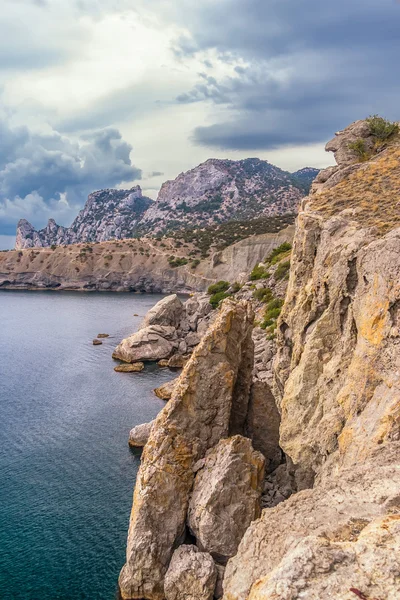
pixel 115 93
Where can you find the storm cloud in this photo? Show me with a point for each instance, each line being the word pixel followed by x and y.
pixel 43 175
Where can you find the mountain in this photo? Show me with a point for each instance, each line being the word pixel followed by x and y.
pixel 219 191
pixel 107 214
pixel 213 193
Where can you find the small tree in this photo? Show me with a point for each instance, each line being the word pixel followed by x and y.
pixel 381 128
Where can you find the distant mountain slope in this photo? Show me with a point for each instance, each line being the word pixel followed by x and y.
pixel 213 193
pixel 219 191
pixel 107 214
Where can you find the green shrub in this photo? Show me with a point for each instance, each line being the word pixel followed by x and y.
pixel 277 254
pixel 359 148
pixel 235 287
pixel 381 128
pixel 194 263
pixel 271 314
pixel 220 286
pixel 177 261
pixel 53 246
pixel 282 271
pixel 217 298
pixel 263 295
pixel 259 272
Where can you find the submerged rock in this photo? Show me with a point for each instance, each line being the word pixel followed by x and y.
pixel 195 419
pixel 226 496
pixel 139 435
pixel 103 335
pixel 191 575
pixel 130 368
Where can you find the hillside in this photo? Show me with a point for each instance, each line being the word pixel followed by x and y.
pixel 213 194
pixel 144 265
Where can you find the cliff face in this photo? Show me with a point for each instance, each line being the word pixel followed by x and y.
pixel 107 214
pixel 132 265
pixel 337 384
pixel 337 388
pixel 218 191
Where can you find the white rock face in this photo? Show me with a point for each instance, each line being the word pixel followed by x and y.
pixel 191 575
pixel 167 312
pixel 108 214
pixel 140 434
pixel 226 496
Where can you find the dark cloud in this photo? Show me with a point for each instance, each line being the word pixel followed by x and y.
pixel 301 69
pixel 44 173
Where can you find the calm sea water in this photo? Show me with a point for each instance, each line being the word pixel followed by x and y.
pixel 66 472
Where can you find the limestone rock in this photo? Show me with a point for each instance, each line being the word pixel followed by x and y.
pixel 194 420
pixel 339 145
pixel 165 390
pixel 139 435
pixel 226 496
pixel 341 534
pixel 191 575
pixel 178 361
pixel 262 424
pixel 130 368
pixel 167 312
pixel 149 344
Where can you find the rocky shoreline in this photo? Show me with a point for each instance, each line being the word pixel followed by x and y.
pixel 273 472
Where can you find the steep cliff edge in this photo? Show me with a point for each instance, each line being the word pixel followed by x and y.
pixel 337 387
pixel 337 383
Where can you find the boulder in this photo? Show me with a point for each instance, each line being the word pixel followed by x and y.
pixel 149 344
pixel 167 312
pixel 178 361
pixel 262 424
pixel 165 390
pixel 130 368
pixel 226 496
pixel 196 308
pixel 97 342
pixel 195 419
pixel 103 335
pixel 163 363
pixel 139 435
pixel 191 575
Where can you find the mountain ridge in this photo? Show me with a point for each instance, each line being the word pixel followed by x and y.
pixel 216 191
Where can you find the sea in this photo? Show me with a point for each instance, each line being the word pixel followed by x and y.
pixel 66 472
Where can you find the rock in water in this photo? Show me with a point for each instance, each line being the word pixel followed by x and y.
pixel 139 435
pixel 167 312
pixel 194 420
pixel 97 342
pixel 226 496
pixel 191 575
pixel 151 343
pixel 165 390
pixel 130 368
pixel 103 335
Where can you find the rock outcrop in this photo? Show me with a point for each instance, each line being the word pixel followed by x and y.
pixel 226 496
pixel 165 391
pixel 139 435
pixel 191 574
pixel 149 344
pixel 196 418
pixel 108 214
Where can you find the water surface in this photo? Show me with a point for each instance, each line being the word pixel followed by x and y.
pixel 66 472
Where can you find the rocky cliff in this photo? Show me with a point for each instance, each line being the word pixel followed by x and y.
pixel 215 192
pixel 218 191
pixel 146 265
pixel 195 528
pixel 107 214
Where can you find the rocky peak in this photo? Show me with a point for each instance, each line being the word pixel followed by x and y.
pixel 107 214
pixel 219 190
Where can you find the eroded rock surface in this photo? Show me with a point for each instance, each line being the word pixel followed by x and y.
pixel 191 575
pixel 164 392
pixel 226 496
pixel 140 434
pixel 194 420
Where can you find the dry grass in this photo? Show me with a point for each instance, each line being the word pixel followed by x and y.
pixel 373 190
